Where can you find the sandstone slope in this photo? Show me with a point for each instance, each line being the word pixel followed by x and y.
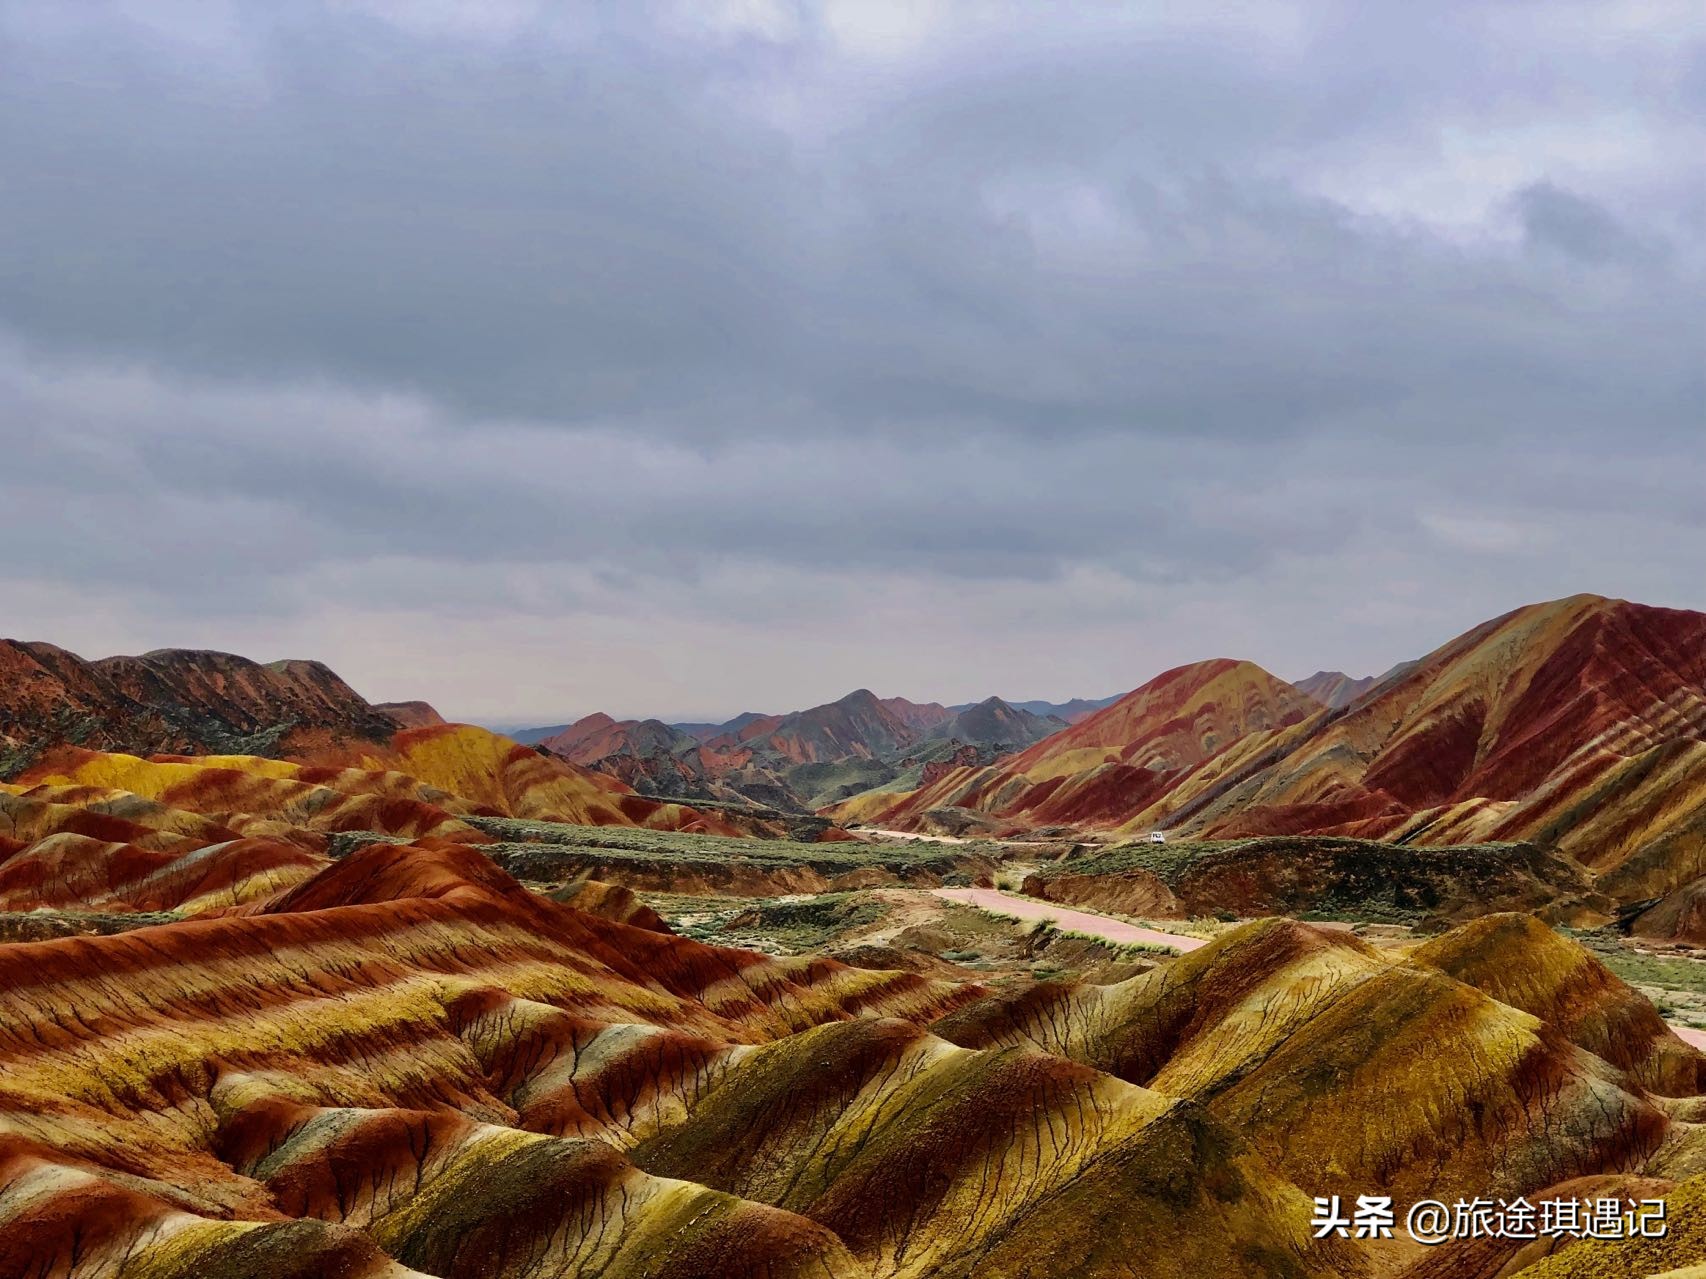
pixel 1166 738
pixel 1578 725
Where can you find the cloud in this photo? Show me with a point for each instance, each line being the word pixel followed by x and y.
pixel 716 327
pixel 1492 536
pixel 1567 223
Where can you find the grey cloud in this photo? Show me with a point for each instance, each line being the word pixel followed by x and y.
pixel 340 476
pixel 573 232
pixel 1561 220
pixel 580 319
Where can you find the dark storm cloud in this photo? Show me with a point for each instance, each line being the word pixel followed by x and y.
pixel 584 306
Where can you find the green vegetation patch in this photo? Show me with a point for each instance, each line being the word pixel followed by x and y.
pixel 1167 862
pixel 45 924
pixel 828 914
pixel 1675 984
pixel 1331 878
pixel 341 844
pixel 790 925
pixel 618 843
pixel 1639 968
pixel 1170 862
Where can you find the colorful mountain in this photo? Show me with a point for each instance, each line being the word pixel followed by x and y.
pixel 1116 763
pixel 995 722
pixel 801 760
pixel 264 1016
pixel 1068 712
pixel 659 759
pixel 288 741
pixel 405 1063
pixel 857 726
pixel 180 701
pixel 521 781
pixel 1679 916
pixel 1336 690
pixel 532 736
pixel 597 736
pixel 1285 1032
pixel 703 732
pixel 1177 720
pixel 1578 724
pixel 410 714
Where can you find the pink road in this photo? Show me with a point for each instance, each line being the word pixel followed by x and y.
pixel 1078 921
pixel 1083 921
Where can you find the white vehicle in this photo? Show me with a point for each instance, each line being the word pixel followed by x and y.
pixel 1157 837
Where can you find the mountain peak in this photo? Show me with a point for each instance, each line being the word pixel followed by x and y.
pixel 1334 689
pixel 179 701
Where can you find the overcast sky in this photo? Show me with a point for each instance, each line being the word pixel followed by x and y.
pixel 687 358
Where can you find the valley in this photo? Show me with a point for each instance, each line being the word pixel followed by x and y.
pixel 852 639
pixel 294 984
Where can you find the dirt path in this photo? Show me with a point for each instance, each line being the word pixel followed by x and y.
pixel 1078 921
pixel 907 834
pixel 1689 1035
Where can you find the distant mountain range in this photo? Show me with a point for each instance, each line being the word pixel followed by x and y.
pixel 266 1012
pixel 131 724
pixel 1335 689
pixel 1067 712
pixel 800 760
pixel 824 754
pixel 1577 724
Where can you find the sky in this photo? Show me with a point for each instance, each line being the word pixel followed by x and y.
pixel 689 358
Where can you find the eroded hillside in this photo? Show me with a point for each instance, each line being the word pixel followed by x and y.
pixel 1578 725
pixel 426 1002
pixel 805 759
pixel 338 1037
